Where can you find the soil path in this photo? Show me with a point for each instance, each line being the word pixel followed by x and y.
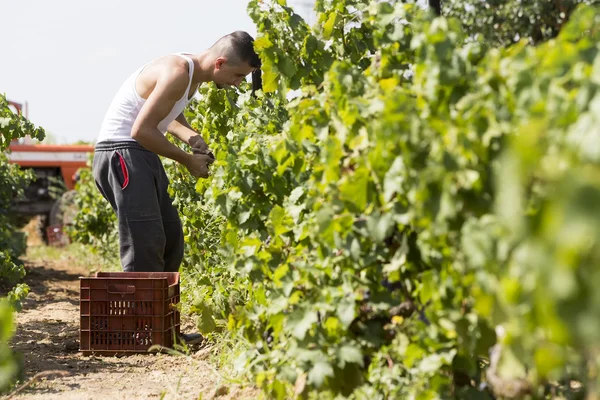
pixel 47 336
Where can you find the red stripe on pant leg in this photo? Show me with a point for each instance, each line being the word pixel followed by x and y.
pixel 125 171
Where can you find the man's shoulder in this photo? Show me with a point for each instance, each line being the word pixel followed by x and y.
pixel 174 65
pixel 173 70
pixel 169 72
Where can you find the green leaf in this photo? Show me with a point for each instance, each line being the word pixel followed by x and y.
pixel 548 358
pixel 346 311
pixel 428 286
pixel 262 43
pixel 8 366
pixel 311 45
pixel 319 372
pixel 206 322
pixel 392 183
pixel 280 220
pixel 350 354
pixel 296 194
pixel 270 76
pixel 329 24
pixel 299 322
pixel 355 188
pixel 6 316
pixel 287 66
pixel 380 226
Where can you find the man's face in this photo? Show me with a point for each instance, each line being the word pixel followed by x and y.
pixel 228 74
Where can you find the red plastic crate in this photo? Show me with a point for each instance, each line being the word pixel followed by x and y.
pixel 57 236
pixel 128 312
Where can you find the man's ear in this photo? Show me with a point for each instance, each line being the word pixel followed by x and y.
pixel 219 62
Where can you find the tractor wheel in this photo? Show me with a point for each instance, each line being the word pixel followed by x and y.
pixel 64 209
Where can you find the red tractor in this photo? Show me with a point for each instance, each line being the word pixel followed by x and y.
pixel 55 168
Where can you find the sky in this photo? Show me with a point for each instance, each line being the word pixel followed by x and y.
pixel 67 58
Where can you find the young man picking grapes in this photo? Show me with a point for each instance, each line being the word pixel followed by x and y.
pixel 126 165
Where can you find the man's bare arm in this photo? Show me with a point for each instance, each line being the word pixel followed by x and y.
pixel 182 130
pixel 170 86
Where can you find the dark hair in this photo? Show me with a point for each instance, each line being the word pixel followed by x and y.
pixel 239 45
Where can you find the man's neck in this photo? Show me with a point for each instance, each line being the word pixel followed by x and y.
pixel 202 68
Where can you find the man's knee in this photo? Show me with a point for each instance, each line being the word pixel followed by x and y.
pixel 142 245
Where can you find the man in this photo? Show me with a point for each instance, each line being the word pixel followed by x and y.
pixel 126 166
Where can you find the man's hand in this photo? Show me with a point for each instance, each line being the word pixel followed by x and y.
pixel 198 164
pixel 198 144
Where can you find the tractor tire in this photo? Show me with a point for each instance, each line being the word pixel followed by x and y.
pixel 63 210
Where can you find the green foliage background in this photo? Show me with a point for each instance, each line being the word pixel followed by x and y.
pixel 13 180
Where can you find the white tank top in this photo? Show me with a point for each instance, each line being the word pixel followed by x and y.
pixel 126 106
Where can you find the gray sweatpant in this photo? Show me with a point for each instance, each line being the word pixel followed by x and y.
pixel 134 182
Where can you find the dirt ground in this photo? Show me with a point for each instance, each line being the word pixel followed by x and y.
pixel 48 337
